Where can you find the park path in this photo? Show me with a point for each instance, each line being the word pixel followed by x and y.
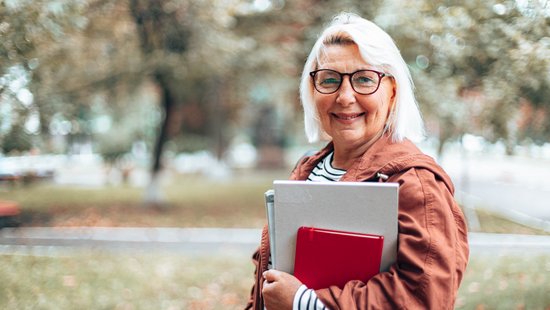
pixel 514 187
pixel 205 241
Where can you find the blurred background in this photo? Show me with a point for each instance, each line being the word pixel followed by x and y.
pixel 179 114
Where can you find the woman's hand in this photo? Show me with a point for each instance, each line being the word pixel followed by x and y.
pixel 279 290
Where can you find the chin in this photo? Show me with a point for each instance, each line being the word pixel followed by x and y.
pixel 351 138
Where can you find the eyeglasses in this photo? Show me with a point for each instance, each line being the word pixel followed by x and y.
pixel 364 82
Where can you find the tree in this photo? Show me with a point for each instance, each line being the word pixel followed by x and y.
pixel 204 61
pixel 190 52
pixel 474 62
pixel 16 141
pixel 117 47
pixel 23 26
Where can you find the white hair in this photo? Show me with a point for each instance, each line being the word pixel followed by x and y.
pixel 377 49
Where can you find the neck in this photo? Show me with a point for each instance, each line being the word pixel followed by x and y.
pixel 346 155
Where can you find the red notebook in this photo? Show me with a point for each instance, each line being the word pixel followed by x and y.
pixel 329 257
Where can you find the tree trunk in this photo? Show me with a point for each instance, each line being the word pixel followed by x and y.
pixel 218 113
pixel 167 103
pixel 159 32
pixel 153 194
pixel 441 146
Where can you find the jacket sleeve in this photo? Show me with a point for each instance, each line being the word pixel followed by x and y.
pixel 260 259
pixel 251 298
pixel 432 253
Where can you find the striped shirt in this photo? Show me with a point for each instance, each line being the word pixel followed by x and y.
pixel 324 171
pixel 306 299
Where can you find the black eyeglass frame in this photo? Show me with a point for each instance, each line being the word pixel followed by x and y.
pixel 381 75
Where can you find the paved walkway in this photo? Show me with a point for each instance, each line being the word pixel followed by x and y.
pixel 203 241
pixel 514 187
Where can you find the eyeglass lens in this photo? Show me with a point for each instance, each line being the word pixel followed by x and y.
pixel 363 81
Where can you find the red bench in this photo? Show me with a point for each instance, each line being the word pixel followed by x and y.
pixel 9 208
pixel 9 214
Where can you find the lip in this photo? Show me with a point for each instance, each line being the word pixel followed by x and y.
pixel 347 117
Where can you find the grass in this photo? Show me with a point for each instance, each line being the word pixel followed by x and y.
pixel 98 280
pixel 192 201
pixel 493 223
pixel 124 281
pixel 168 281
pixel 506 282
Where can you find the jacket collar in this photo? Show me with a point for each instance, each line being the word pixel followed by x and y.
pixel 384 156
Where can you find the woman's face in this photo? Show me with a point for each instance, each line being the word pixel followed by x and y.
pixel 352 119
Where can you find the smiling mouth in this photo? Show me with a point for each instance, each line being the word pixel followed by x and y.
pixel 347 117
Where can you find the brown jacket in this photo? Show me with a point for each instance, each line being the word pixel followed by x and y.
pixel 432 247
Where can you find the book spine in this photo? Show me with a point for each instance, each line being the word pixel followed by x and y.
pixel 270 212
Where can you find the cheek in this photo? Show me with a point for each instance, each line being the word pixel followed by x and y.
pixel 377 111
pixel 383 103
pixel 375 107
pixel 322 104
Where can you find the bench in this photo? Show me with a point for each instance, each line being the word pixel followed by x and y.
pixel 9 210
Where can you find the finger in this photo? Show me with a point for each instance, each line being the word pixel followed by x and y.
pixel 267 286
pixel 271 275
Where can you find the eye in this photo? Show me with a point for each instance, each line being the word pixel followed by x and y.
pixel 329 81
pixel 364 79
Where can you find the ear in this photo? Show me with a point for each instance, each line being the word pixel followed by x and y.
pixel 393 96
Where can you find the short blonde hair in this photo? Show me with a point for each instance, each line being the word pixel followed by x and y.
pixel 378 49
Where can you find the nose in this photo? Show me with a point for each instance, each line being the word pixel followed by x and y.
pixel 346 94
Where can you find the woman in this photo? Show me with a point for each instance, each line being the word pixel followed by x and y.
pixel 357 93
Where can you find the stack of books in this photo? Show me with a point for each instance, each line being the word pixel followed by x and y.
pixel 330 233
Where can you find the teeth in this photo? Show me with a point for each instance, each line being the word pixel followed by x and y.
pixel 348 117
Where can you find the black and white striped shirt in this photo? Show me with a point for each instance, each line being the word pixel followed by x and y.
pixel 306 299
pixel 324 171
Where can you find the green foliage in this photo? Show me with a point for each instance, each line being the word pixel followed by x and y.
pixel 475 62
pixel 16 141
pixel 113 147
pixel 188 143
pixel 25 22
pixel 211 58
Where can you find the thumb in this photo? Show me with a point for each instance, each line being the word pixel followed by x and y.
pixel 271 275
